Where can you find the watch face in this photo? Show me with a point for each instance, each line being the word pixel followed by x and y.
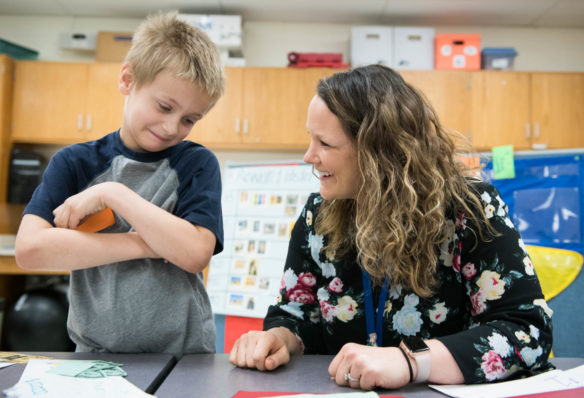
pixel 416 344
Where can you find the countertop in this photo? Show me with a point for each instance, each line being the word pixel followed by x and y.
pixel 10 215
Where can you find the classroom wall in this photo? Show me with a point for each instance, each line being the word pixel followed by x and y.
pixel 268 43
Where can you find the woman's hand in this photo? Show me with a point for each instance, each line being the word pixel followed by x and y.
pixel 264 350
pixel 369 367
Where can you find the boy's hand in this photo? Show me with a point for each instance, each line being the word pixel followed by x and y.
pixel 77 207
pixel 265 350
pixel 260 350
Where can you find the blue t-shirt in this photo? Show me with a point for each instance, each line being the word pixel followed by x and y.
pixel 143 305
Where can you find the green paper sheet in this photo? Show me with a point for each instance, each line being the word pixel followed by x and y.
pixel 503 162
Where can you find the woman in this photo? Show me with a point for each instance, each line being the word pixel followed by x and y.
pixel 403 266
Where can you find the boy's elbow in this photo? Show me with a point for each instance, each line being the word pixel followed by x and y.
pixel 22 260
pixel 198 256
pixel 197 263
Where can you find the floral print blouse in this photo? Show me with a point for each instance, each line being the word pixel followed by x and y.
pixel 488 308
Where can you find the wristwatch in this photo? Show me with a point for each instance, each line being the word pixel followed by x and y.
pixel 417 350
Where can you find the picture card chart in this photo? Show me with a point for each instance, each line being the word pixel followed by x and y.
pixel 261 202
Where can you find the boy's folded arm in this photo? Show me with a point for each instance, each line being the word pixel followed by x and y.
pixel 185 245
pixel 159 234
pixel 40 246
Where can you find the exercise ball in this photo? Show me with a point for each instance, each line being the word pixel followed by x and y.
pixel 37 321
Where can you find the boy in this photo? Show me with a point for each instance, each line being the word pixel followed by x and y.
pixel 138 286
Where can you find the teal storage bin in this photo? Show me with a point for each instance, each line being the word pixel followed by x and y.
pixel 498 58
pixel 16 51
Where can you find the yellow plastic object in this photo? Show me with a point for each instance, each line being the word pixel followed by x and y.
pixel 556 268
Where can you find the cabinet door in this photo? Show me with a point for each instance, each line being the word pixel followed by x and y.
pixel 105 103
pixel 501 111
pixel 299 88
pixel 266 96
pixel 450 94
pixel 557 110
pixel 49 102
pixel 275 103
pixel 222 126
pixel 6 70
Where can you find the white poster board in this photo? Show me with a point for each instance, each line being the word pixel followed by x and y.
pixel 261 202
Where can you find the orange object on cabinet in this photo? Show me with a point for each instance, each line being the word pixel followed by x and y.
pixel 457 51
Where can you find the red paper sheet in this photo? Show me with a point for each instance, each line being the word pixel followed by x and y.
pixel 235 326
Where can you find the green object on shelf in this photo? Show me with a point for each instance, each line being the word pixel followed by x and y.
pixel 503 162
pixel 16 51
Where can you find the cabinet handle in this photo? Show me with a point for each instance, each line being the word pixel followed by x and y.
pixel 527 130
pixel 245 126
pixel 536 130
pixel 88 123
pixel 80 122
pixel 236 126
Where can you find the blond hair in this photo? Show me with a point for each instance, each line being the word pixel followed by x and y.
pixel 164 42
pixel 412 179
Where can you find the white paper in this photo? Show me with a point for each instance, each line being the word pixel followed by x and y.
pixel 550 381
pixel 261 202
pixel 36 382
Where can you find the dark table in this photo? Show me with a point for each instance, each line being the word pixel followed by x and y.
pixel 211 375
pixel 145 371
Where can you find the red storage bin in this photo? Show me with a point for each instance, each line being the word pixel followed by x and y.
pixel 457 51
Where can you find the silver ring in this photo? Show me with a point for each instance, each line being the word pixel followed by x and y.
pixel 348 377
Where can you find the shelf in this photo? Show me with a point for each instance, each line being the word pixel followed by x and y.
pixel 8 267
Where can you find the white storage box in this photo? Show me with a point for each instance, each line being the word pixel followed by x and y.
pixel 371 45
pixel 223 30
pixel 413 48
pixel 78 41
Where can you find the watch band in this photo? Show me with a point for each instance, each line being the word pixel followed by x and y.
pixel 418 351
pixel 423 360
pixel 408 361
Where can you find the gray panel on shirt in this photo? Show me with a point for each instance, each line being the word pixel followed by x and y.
pixel 143 305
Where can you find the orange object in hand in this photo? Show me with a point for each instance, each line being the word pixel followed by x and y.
pixel 98 221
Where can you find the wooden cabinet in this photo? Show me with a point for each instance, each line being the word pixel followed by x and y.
pixel 105 103
pixel 263 108
pixel 539 110
pixel 221 126
pixel 557 110
pixel 6 72
pixel 65 103
pixel 450 94
pixel 501 110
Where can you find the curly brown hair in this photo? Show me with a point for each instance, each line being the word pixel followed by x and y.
pixel 411 177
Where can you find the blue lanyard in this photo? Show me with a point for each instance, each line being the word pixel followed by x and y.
pixel 374 328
